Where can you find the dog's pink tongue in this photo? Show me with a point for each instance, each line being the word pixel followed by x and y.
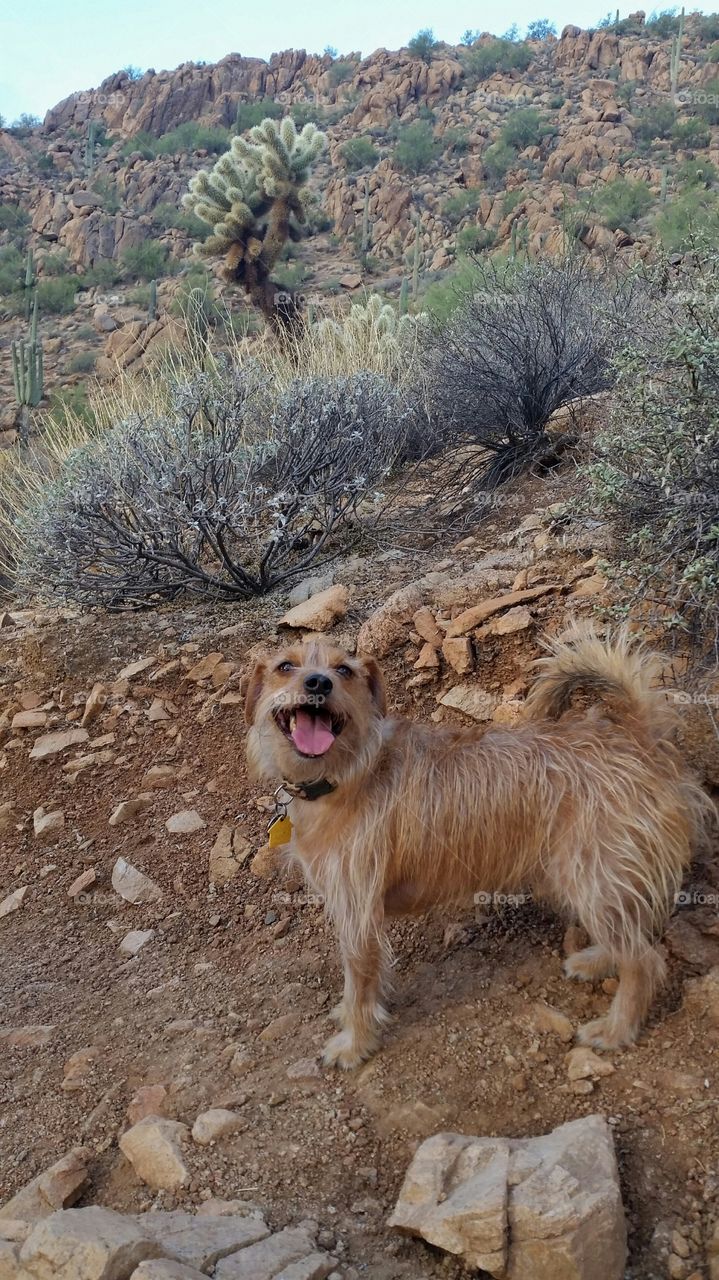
pixel 312 734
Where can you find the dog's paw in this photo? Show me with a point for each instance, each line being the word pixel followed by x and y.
pixel 337 1014
pixel 602 1033
pixel 590 965
pixel 343 1051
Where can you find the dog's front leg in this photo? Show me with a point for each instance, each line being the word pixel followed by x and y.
pixel 361 1012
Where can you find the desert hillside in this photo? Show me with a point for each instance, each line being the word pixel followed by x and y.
pixel 415 355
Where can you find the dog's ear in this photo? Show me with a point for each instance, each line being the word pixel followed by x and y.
pixel 252 690
pixel 375 680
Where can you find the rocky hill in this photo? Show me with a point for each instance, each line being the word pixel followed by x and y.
pixel 594 138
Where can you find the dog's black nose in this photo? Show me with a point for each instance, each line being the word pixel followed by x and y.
pixel 318 685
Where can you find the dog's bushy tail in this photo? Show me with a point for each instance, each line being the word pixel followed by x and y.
pixel 619 673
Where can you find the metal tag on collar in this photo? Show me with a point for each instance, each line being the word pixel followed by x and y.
pixel 279 830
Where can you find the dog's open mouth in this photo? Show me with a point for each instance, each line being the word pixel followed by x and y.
pixel 311 730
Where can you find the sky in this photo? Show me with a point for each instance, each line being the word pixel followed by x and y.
pixel 51 48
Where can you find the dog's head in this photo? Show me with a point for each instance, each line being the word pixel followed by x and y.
pixel 313 711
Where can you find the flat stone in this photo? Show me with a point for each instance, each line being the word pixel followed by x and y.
pixel 57 1187
pixel 160 777
pixel 29 720
pixel 166 1269
pixel 135 940
pixel 203 669
pixel 229 852
pixel 147 1101
pixel 266 1260
pixel 85 1244
pixel 136 668
pixel 34 1036
pixel 202 1242
pixel 320 612
pixel 185 823
pixel 153 1148
pixel 82 883
pixel 50 744
pixel 13 901
pixel 215 1123
pixel 457 651
pixel 475 616
pixel 95 704
pixel 44 824
pixel 8 815
pixel 428 659
pixel 584 1064
pixel 133 885
pixel 471 700
pixel 425 625
pixel 126 810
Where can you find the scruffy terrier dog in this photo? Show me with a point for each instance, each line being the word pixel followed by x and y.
pixel 593 810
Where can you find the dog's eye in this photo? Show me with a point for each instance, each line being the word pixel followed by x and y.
pixel 284 667
pixel 344 671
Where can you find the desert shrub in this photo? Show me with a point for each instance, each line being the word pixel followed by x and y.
pixel 657 121
pixel 250 114
pixel 13 217
pixel 416 147
pixel 527 338
pixel 656 470
pixel 423 45
pixel 339 72
pixel 83 362
pixel 227 495
pixel 524 127
pixel 708 26
pixel 690 134
pixel 145 261
pixel 697 173
pixel 24 125
pixel 85 332
pixel 540 29
pixel 474 239
pixel 55 264
pixel 622 202
pixel 460 205
pixel 189 136
pixel 168 215
pixel 498 159
pixel 482 60
pixel 12 269
pixel 56 295
pixel 102 274
pixel 105 187
pixel 713 52
pixel 663 24
pixel 705 102
pixel 693 213
pixel 456 139
pixel 359 153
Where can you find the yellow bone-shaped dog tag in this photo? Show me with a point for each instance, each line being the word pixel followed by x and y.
pixel 279 830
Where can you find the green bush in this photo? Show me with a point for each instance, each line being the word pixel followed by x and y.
pixel 713 52
pixel 102 274
pixel 290 275
pixel 57 295
pixel 540 29
pixel 705 102
pixel 620 203
pixel 359 153
pixel 83 362
pixel 105 188
pixel 690 215
pixel 690 134
pixel 708 27
pixel 416 147
pixel 481 61
pixel 697 173
pixel 456 139
pixel 12 269
pixel 524 127
pixel 339 72
pixel 423 45
pixel 168 215
pixel 460 205
pixel 250 114
pixel 55 264
pixel 85 332
pixel 190 136
pixel 13 218
pixel 498 160
pixel 146 261
pixel 657 121
pixel 474 239
pixel 663 24
pixel 655 474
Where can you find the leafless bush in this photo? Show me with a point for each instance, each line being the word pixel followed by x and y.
pixel 229 494
pixel 528 338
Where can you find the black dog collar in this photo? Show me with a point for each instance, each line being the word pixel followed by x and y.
pixel 314 790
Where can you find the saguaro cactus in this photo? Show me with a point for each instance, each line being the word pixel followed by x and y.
pixel 29 283
pixel 676 55
pixel 255 199
pixel 27 373
pixel 416 261
pixel 92 131
pixel 152 302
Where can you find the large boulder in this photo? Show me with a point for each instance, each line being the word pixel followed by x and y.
pixel 546 1208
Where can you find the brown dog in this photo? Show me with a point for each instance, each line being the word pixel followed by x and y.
pixel 592 810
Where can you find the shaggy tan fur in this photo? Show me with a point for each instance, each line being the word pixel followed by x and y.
pixel 593 811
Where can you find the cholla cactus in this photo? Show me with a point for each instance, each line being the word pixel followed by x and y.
pixel 254 199
pixel 372 321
